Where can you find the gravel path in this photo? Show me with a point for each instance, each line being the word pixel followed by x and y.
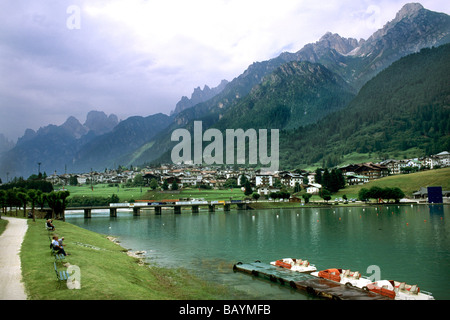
pixel 11 287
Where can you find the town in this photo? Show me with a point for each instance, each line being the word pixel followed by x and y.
pixel 171 176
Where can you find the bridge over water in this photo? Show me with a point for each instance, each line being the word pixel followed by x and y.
pixel 158 207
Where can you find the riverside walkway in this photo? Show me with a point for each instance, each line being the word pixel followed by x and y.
pixel 11 286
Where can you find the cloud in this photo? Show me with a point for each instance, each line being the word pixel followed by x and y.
pixel 138 57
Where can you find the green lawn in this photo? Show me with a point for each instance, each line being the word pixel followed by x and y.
pixel 138 193
pixel 3 224
pixel 106 271
pixel 103 190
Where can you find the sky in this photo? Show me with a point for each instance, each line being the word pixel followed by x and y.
pixel 61 58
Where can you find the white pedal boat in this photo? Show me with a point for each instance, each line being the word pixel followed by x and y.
pixel 297 265
pixel 344 276
pixel 399 290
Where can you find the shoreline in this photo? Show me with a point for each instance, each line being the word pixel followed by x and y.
pixel 140 254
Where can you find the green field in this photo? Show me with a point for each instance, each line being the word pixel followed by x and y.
pixel 103 190
pixel 138 193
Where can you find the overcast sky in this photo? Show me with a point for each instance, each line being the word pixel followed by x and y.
pixel 134 57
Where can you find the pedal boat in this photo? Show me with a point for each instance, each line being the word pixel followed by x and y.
pixel 297 265
pixel 399 290
pixel 344 276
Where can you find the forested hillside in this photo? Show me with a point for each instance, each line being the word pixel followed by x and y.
pixel 296 93
pixel 405 106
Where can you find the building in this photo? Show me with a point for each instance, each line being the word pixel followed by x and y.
pixel 263 180
pixel 431 162
pixel 311 178
pixel 290 179
pixel 267 190
pixel 354 179
pixel 313 188
pixel 444 158
pixel 369 169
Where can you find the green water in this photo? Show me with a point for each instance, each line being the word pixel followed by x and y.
pixel 407 243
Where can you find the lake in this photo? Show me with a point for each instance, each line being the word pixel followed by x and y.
pixel 407 243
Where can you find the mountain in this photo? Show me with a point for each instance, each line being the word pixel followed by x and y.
pixel 54 146
pixel 405 107
pixel 413 28
pixel 295 94
pixel 117 146
pixel 198 96
pixel 99 123
pixel 292 92
pixel 356 62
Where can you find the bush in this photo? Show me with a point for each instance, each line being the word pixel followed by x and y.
pixel 80 201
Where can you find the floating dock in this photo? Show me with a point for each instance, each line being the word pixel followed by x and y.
pixel 307 283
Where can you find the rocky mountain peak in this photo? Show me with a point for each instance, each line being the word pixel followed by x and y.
pixel 199 95
pixel 74 127
pixel 99 122
pixel 334 41
pixel 409 10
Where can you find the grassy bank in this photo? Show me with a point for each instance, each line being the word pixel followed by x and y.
pixel 409 183
pixel 107 272
pixel 3 224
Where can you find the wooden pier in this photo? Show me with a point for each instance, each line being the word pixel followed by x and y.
pixel 306 283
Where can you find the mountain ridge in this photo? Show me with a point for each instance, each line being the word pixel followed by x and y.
pixel 403 35
pixel 354 61
pixel 409 109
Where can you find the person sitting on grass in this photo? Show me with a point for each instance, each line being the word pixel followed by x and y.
pixel 57 246
pixel 50 224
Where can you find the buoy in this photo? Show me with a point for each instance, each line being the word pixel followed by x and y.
pixel 424 220
pixel 407 224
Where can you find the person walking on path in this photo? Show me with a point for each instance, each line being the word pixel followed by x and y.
pixel 11 286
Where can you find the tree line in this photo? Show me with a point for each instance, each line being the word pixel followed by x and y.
pixel 21 197
pixel 332 180
pixel 380 194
